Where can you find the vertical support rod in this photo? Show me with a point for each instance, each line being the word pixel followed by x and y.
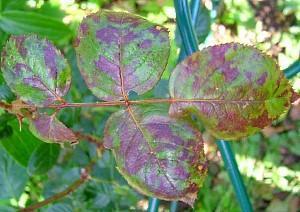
pixel 195 7
pixel 153 205
pixel 234 174
pixel 190 45
pixel 173 207
pixel 292 70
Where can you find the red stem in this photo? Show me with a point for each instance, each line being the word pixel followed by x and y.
pixel 76 184
pixel 146 101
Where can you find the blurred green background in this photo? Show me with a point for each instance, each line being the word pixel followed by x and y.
pixel 31 171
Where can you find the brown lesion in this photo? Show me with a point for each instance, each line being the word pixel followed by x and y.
pixel 20 45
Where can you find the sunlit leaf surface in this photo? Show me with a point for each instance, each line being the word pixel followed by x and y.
pixel 239 89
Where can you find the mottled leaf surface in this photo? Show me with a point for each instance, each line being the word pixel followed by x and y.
pixel 239 90
pixel 35 70
pixel 157 155
pixel 119 52
pixel 51 130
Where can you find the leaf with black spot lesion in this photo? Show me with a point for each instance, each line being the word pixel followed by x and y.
pixel 157 155
pixel 35 70
pixel 110 44
pixel 235 90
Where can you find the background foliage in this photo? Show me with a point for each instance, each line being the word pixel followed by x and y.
pixel 31 171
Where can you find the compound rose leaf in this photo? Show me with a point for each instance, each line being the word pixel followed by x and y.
pixel 157 155
pixel 119 52
pixel 35 70
pixel 237 90
pixel 51 130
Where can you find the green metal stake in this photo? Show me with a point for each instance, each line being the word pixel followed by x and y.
pixel 173 206
pixel 234 174
pixel 153 205
pixel 195 6
pixel 190 45
pixel 292 70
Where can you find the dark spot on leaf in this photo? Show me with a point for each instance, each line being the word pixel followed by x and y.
pixel 95 17
pixel 146 44
pixel 261 121
pixel 107 66
pixel 249 76
pixel 19 67
pixel 155 30
pixel 233 122
pixel 130 19
pixel 197 83
pixel 230 73
pixel 108 35
pixel 84 28
pixel 261 80
pixel 114 17
pixel 76 42
pixel 50 59
pixel 129 37
pixel 20 45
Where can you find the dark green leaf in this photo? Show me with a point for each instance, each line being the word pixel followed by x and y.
pixel 102 200
pixel 43 158
pixel 5 92
pixel 13 5
pixel 60 207
pixel 13 177
pixel 161 90
pixel 3 38
pixel 20 144
pixel 4 208
pixel 59 178
pixel 23 22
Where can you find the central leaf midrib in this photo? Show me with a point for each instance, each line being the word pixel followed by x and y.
pixel 130 110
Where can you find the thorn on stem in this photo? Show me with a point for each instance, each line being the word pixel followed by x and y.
pixel 20 119
pixel 84 174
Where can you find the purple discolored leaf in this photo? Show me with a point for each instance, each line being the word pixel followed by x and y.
pixel 35 70
pixel 51 130
pixel 236 90
pixel 157 155
pixel 119 52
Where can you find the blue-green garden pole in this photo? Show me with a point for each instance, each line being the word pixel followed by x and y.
pixel 292 70
pixel 173 206
pixel 153 205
